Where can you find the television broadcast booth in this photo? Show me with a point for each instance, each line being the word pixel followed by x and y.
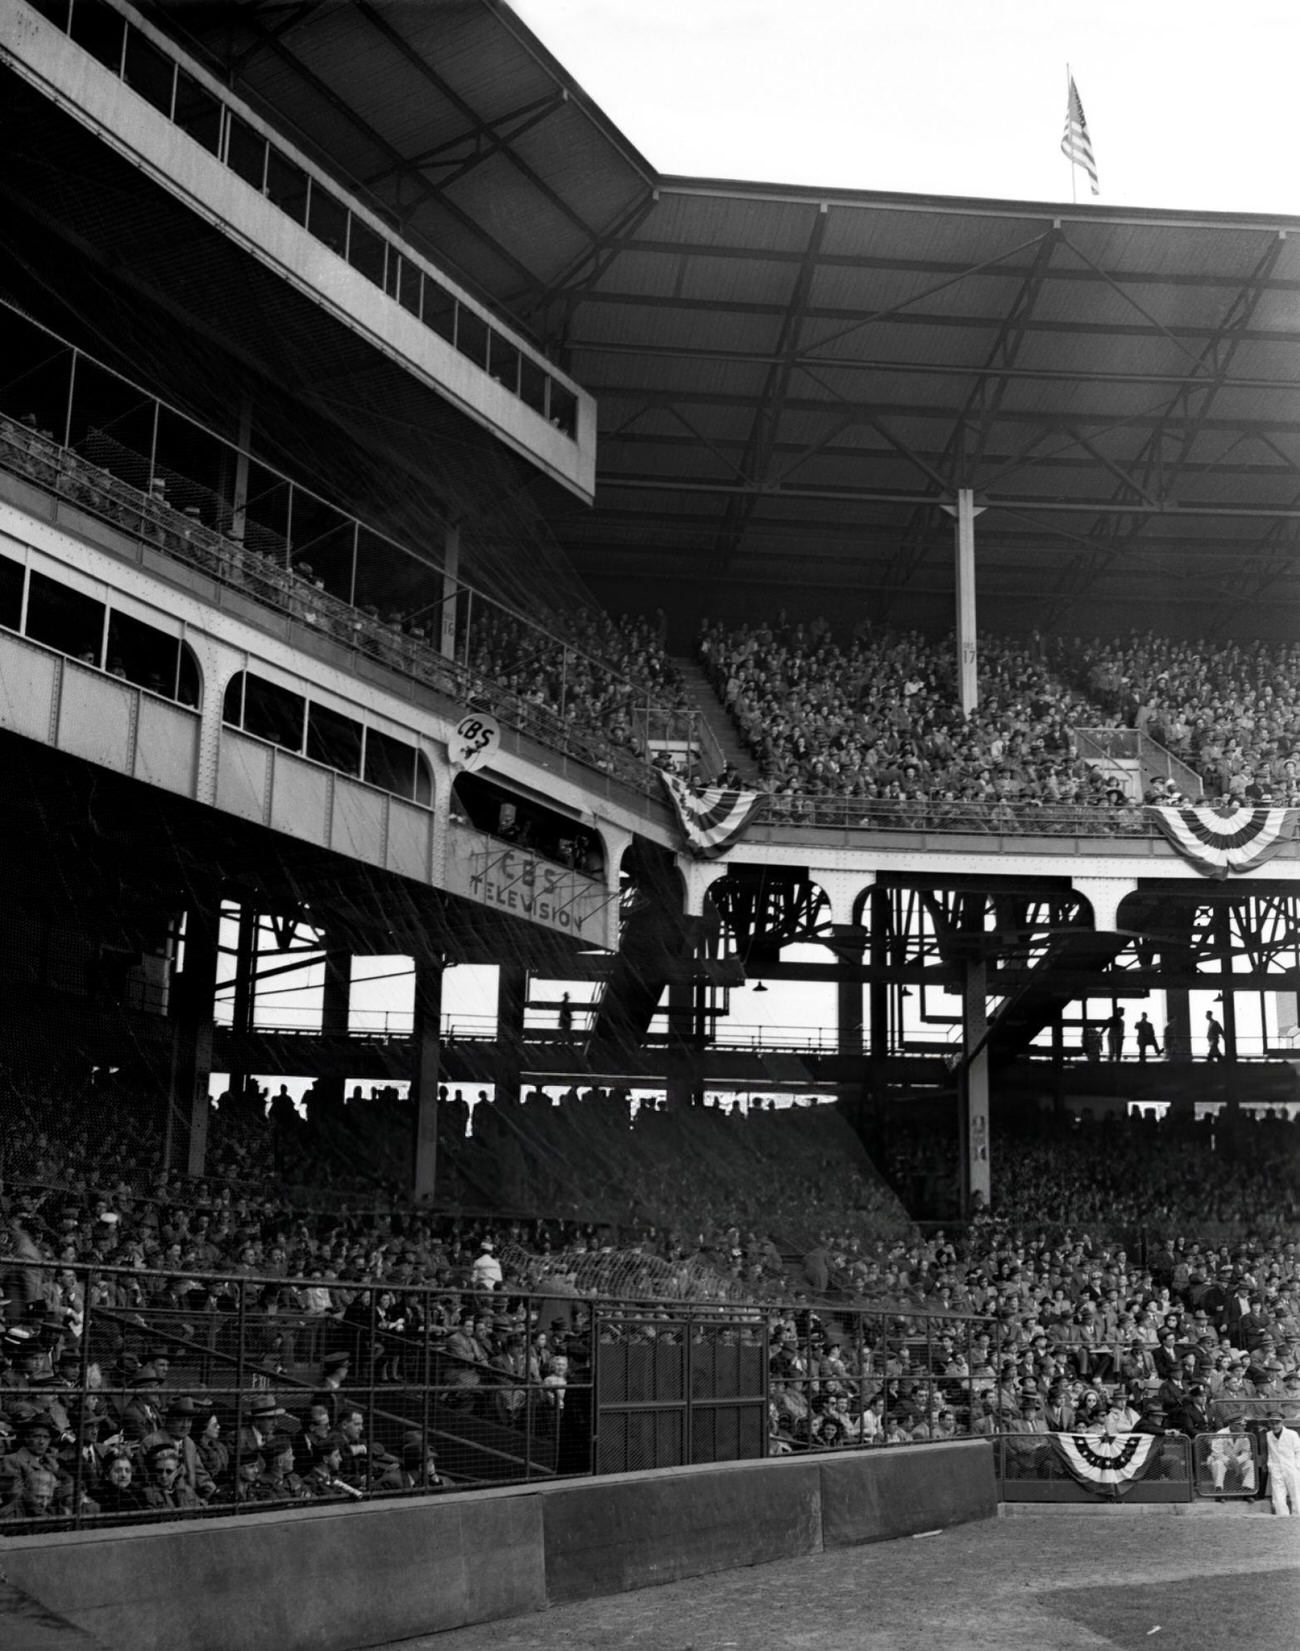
pixel 354 368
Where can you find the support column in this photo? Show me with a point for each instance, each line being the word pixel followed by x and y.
pixel 1104 894
pixel 683 1084
pixel 1176 959
pixel 847 945
pixel 239 491
pixel 1058 1067
pixel 245 1000
pixel 186 1134
pixel 450 585
pixel 335 1019
pixel 512 995
pixel 973 1093
pixel 848 1001
pixel 967 653
pixel 427 1045
pixel 878 988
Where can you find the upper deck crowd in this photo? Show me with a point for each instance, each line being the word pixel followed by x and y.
pixel 842 728
pixel 870 730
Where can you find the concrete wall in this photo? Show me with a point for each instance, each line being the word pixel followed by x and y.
pixel 335 1578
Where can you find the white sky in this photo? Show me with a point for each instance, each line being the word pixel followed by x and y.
pixel 1188 105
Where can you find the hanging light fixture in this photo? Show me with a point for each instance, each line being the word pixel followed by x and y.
pixel 759 986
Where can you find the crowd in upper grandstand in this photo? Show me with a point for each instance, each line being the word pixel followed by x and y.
pixel 860 730
pixel 874 724
pixel 1165 1297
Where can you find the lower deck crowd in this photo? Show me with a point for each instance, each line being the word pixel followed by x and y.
pixel 168 1345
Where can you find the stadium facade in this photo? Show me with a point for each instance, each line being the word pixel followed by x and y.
pixel 346 352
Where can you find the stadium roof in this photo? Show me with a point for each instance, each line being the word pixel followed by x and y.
pixel 792 383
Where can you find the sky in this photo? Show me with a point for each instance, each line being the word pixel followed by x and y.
pixel 1188 105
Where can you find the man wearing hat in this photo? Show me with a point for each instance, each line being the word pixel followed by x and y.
pixel 323 1479
pixel 335 1368
pixel 1196 1413
pixel 485 1274
pixel 1153 1420
pixel 1283 1446
pixel 1235 1394
pixel 416 1470
pixel 33 1457
pixel 263 1417
pixel 157 1361
pixel 142 1413
pixel 178 1430
pixel 363 1462
pixel 21 1346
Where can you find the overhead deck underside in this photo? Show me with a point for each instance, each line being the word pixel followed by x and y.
pixel 793 382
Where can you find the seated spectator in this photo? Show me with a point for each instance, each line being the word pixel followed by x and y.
pixel 362 1462
pixel 31 1475
pixel 164 1488
pixel 416 1469
pixel 213 1453
pixel 177 1430
pixel 278 1481
pixel 119 1492
pixel 1229 1459
pixel 324 1479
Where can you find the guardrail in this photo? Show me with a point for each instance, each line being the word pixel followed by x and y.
pixel 141 1395
pixel 1227 1465
pixel 86 433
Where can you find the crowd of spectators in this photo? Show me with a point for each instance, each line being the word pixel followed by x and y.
pixel 1172 1281
pixel 1231 711
pixel 585 670
pixel 875 727
pixel 1018 1329
pixel 870 732
pixel 584 682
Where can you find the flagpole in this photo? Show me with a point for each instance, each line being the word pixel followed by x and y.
pixel 1074 171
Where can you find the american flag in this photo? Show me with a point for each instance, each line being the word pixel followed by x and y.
pixel 1076 145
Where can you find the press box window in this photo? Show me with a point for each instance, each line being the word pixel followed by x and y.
pixel 100 30
pixel 149 71
pixel 152 659
pixel 333 739
pixel 65 619
pixel 197 112
pixel 394 766
pixel 11 594
pixel 265 710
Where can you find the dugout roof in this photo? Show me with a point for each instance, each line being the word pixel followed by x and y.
pixel 793 382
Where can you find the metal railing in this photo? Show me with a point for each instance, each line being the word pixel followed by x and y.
pixel 989 820
pixel 276 1392
pixel 87 434
pixel 141 1395
pixel 1154 761
pixel 1149 1465
pixel 209 115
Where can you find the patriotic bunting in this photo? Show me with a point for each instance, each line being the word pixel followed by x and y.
pixel 1218 841
pixel 711 818
pixel 1105 1461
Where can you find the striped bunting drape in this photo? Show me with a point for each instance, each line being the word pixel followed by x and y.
pixel 1105 1461
pixel 711 818
pixel 1218 841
